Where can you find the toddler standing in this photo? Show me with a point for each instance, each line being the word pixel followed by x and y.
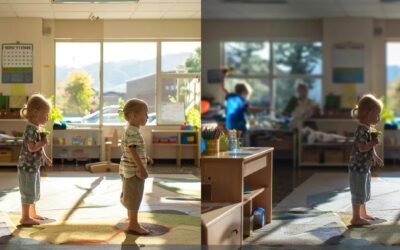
pixel 32 153
pixel 133 163
pixel 363 157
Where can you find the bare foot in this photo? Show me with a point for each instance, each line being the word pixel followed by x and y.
pixel 368 217
pixel 29 221
pixel 139 230
pixel 359 222
pixel 38 217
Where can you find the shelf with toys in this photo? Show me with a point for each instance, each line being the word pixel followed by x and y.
pixel 11 132
pixel 77 143
pixel 186 137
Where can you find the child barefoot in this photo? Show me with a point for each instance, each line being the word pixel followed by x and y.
pixel 133 163
pixel 363 157
pixel 36 113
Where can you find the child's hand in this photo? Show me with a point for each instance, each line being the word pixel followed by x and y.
pixel 375 141
pixel 143 174
pixel 44 141
pixel 48 162
pixel 379 162
pixel 150 161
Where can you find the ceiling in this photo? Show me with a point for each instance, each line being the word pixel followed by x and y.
pixel 144 9
pixel 299 9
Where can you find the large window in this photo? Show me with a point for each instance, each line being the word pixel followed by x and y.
pixel 273 68
pixel 90 94
pixel 78 80
pixel 393 77
pixel 129 72
pixel 180 83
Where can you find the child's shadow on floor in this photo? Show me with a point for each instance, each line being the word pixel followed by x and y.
pixel 42 222
pixel 373 222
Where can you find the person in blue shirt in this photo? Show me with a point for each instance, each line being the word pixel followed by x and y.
pixel 236 107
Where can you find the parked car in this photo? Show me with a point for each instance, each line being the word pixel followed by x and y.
pixel 110 115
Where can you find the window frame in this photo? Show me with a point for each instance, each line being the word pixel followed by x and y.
pixel 271 76
pixel 159 74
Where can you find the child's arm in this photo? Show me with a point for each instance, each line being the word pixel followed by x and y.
pixel 34 147
pixel 364 147
pixel 138 162
pixel 226 92
pixel 378 160
pixel 46 159
pixel 252 109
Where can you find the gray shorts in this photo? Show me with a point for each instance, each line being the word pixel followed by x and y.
pixel 360 187
pixel 132 192
pixel 29 186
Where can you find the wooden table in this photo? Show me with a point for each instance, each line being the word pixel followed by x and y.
pixel 228 173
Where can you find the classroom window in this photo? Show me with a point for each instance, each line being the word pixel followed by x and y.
pixel 179 89
pixel 393 77
pixel 273 68
pixel 251 63
pixel 77 80
pixel 293 62
pixel 129 71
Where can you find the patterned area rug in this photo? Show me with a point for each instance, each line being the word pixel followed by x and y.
pixel 318 213
pixel 86 210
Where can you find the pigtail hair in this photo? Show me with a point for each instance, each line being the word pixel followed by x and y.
pixel 354 112
pixel 24 111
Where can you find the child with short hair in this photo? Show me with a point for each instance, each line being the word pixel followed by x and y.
pixel 133 163
pixel 36 112
pixel 363 156
pixel 236 107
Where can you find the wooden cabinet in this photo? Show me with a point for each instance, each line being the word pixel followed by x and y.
pixel 76 144
pixel 182 141
pixel 221 224
pixel 229 174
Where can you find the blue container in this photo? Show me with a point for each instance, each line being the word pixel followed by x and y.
pixel 259 217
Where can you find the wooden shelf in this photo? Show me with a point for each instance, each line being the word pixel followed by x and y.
pixel 326 144
pixel 8 163
pixel 253 193
pixel 179 147
pixel 166 144
pixel 75 146
pixel 313 164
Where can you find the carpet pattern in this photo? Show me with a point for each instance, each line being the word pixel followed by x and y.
pixel 86 210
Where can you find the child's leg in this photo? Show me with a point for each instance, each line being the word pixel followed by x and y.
pixel 134 224
pixel 357 219
pixel 33 214
pixel 26 219
pixel 363 213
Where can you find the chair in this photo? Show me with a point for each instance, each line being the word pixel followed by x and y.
pixel 106 166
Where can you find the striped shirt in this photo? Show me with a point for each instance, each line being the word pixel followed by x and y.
pixel 131 138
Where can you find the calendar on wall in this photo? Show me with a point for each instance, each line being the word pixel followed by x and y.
pixel 17 63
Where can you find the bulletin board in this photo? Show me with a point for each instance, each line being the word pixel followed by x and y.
pixel 348 63
pixel 17 63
